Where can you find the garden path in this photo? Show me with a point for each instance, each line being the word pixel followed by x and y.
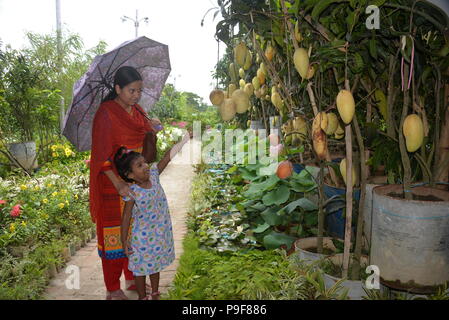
pixel 176 180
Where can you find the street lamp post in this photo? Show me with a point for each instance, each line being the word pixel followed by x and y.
pixel 59 51
pixel 136 21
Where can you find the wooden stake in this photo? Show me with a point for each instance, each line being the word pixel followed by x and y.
pixel 349 189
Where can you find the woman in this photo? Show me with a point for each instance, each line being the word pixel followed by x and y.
pixel 119 121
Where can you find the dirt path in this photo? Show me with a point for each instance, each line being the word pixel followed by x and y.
pixel 176 180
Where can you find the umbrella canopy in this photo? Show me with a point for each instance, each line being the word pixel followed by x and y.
pixel 149 57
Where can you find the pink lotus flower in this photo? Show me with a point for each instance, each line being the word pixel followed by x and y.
pixel 276 150
pixel 181 124
pixel 15 212
pixel 2 202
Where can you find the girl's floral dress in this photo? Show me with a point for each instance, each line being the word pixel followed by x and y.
pixel 151 237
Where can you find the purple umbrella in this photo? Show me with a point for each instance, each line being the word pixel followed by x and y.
pixel 149 57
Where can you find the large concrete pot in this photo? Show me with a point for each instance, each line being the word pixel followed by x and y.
pixel 306 249
pixel 410 238
pixel 24 153
pixel 355 287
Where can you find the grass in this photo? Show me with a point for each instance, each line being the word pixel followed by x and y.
pixel 208 275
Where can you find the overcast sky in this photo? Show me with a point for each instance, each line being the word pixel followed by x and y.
pixel 177 23
pixel 193 49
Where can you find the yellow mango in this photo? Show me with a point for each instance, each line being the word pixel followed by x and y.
pixel 261 76
pixel 301 62
pixel 263 68
pixel 248 61
pixel 310 72
pixel 300 126
pixel 343 172
pixel 256 83
pixel 227 109
pixel 241 100
pixel 231 88
pixel 332 123
pixel 241 73
pixel 413 130
pixel 298 35
pixel 346 106
pixel 276 100
pixel 319 143
pixel 381 103
pixel 240 52
pixel 320 121
pixel 249 89
pixel 269 52
pixel 233 72
pixel 340 132
pixel 216 97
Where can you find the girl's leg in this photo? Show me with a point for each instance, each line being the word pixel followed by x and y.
pixel 140 284
pixel 154 279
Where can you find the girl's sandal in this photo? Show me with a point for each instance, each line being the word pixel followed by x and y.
pixel 134 288
pixel 155 295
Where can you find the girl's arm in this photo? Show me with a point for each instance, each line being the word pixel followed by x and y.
pixel 121 186
pixel 126 219
pixel 149 150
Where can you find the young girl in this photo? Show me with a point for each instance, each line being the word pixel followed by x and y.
pixel 149 246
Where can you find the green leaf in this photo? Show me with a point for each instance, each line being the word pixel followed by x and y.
pixel 378 3
pixel 232 169
pixel 321 6
pixel 303 203
pixel 311 219
pixel 297 230
pixel 271 216
pixel 373 48
pixel 261 228
pixel 259 206
pixel 274 240
pixel 264 186
pixel 277 196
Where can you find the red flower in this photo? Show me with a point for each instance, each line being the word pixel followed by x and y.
pixel 2 202
pixel 15 212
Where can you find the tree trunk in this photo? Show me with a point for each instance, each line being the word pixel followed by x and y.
pixel 349 197
pixel 404 155
pixel 442 174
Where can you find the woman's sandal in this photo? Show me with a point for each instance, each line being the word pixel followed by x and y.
pixel 116 295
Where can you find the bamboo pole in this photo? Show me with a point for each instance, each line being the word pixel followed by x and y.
pixel 349 196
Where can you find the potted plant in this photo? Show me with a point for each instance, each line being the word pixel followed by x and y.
pixel 333 270
pixel 25 108
pixel 408 220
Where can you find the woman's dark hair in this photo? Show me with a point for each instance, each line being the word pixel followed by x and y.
pixel 123 76
pixel 123 160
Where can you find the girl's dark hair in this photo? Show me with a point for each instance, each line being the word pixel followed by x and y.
pixel 123 76
pixel 123 160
